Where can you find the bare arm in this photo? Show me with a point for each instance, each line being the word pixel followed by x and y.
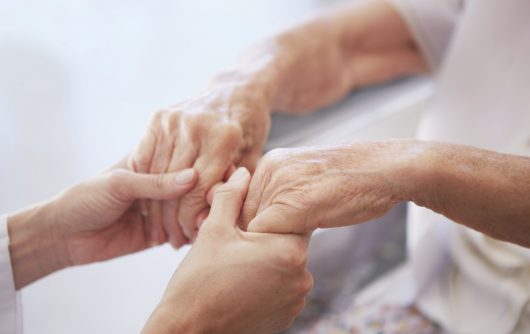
pixel 319 61
pixel 484 190
pixel 298 190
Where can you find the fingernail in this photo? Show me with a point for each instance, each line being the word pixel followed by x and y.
pixel 238 174
pixel 185 177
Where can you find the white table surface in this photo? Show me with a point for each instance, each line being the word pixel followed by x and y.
pixel 78 82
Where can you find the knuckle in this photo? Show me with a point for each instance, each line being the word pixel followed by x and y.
pixel 274 160
pixel 142 160
pixel 118 181
pixel 230 134
pixel 195 127
pixel 174 120
pixel 158 116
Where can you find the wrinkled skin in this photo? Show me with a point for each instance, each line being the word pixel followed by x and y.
pixel 233 281
pixel 208 134
pixel 299 190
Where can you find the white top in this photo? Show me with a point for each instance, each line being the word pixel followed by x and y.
pixel 10 319
pixel 480 52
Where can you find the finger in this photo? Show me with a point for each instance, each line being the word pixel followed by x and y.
pixel 276 219
pixel 209 195
pixel 250 159
pixel 128 163
pixel 176 237
pixel 231 169
pixel 143 156
pixel 183 157
pixel 129 186
pixel 164 148
pixel 212 163
pixel 228 199
pixel 253 199
pixel 202 217
pixel 195 202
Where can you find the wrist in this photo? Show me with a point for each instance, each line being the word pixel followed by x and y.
pixel 412 170
pixel 401 165
pixel 33 245
pixel 256 75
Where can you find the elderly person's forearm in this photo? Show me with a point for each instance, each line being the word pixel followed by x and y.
pixel 320 60
pixel 299 190
pixel 485 190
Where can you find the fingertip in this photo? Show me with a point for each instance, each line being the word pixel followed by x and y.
pixel 186 177
pixel 177 242
pixel 255 227
pixel 240 174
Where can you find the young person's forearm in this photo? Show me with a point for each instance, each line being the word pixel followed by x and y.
pixel 32 248
pixel 485 190
pixel 319 61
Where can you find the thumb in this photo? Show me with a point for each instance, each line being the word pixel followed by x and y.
pixel 228 199
pixel 132 186
pixel 277 219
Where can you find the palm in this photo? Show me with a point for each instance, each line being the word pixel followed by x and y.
pixel 101 224
pixel 123 236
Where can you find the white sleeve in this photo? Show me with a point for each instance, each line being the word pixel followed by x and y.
pixel 10 316
pixel 432 22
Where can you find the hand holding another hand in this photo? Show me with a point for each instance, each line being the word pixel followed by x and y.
pixel 233 281
pixel 224 127
pixel 96 220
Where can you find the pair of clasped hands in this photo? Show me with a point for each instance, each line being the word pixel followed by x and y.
pixel 190 180
pixel 250 232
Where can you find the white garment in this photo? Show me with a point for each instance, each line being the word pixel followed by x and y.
pixel 480 52
pixel 10 318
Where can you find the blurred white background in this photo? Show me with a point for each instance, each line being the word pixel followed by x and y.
pixel 78 82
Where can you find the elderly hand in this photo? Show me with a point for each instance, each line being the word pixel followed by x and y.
pixel 233 281
pixel 94 221
pixel 222 128
pixel 299 190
